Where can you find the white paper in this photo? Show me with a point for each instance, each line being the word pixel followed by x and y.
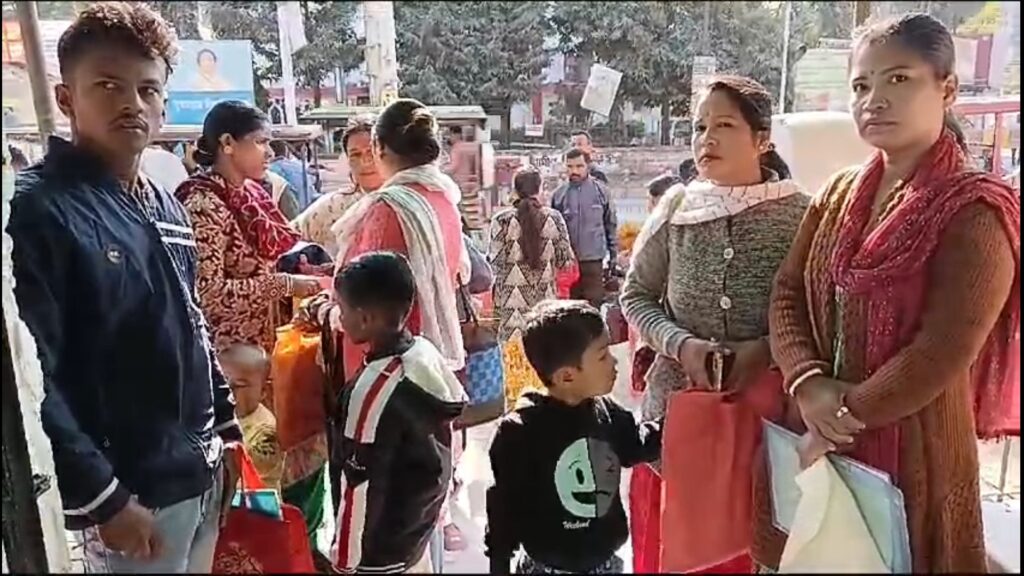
pixel 602 87
pixel 829 533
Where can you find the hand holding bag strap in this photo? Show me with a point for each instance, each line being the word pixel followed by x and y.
pixel 333 366
pixel 466 303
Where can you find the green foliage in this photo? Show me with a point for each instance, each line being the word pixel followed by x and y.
pixel 328 25
pixel 488 53
pixel 332 42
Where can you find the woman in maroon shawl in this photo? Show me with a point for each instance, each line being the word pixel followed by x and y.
pixel 895 316
pixel 240 233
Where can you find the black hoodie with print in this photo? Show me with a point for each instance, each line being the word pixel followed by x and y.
pixel 557 472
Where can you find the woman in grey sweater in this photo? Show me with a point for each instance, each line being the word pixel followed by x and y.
pixel 701 277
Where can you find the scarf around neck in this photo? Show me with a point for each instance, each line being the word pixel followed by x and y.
pixel 888 266
pixel 701 201
pixel 424 241
pixel 262 223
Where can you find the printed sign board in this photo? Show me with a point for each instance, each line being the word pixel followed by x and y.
pixel 599 96
pixel 208 72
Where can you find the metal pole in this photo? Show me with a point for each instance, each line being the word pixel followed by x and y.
pixel 1004 465
pixel 28 19
pixel 22 527
pixel 786 29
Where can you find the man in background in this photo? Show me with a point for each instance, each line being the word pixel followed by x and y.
pixel 582 141
pixel 589 214
pixel 287 166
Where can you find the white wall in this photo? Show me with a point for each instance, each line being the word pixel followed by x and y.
pixel 30 394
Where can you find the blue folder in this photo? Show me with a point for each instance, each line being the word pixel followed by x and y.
pixel 880 501
pixel 264 501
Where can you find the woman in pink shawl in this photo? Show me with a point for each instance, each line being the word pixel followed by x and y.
pixel 415 213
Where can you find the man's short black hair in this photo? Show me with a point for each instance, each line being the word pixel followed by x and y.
pixel 131 26
pixel 656 188
pixel 688 171
pixel 576 153
pixel 280 148
pixel 582 133
pixel 557 333
pixel 359 125
pixel 378 280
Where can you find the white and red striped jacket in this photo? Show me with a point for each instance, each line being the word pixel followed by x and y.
pixel 395 456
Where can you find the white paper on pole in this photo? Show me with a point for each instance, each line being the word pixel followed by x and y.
pixel 289 15
pixel 602 87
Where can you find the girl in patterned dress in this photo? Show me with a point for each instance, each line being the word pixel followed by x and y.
pixel 529 244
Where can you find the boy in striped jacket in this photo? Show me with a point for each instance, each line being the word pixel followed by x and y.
pixel 394 425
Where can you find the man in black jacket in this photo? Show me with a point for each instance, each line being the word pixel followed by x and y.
pixel 142 424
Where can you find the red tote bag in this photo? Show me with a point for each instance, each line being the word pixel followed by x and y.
pixel 254 543
pixel 708 449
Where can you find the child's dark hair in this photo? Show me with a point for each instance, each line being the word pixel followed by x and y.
pixel 557 333
pixel 755 104
pixel 926 37
pixel 381 280
pixel 656 188
pixel 131 26
pixel 233 117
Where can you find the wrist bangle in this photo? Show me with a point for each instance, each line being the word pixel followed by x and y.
pixel 804 378
pixel 289 286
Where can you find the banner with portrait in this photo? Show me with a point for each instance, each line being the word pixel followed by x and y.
pixel 209 72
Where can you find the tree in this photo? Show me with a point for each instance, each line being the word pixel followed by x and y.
pixel 332 44
pixel 328 25
pixel 254 21
pixel 986 21
pixel 488 53
pixel 623 36
pixel 654 43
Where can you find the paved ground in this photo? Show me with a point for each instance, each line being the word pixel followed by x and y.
pixel 1002 520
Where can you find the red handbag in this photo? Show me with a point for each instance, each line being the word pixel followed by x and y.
pixel 565 279
pixel 708 508
pixel 253 543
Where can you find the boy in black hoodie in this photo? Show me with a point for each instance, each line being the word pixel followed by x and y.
pixel 557 458
pixel 394 425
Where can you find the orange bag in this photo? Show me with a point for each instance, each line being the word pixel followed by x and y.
pixel 298 384
pixel 708 448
